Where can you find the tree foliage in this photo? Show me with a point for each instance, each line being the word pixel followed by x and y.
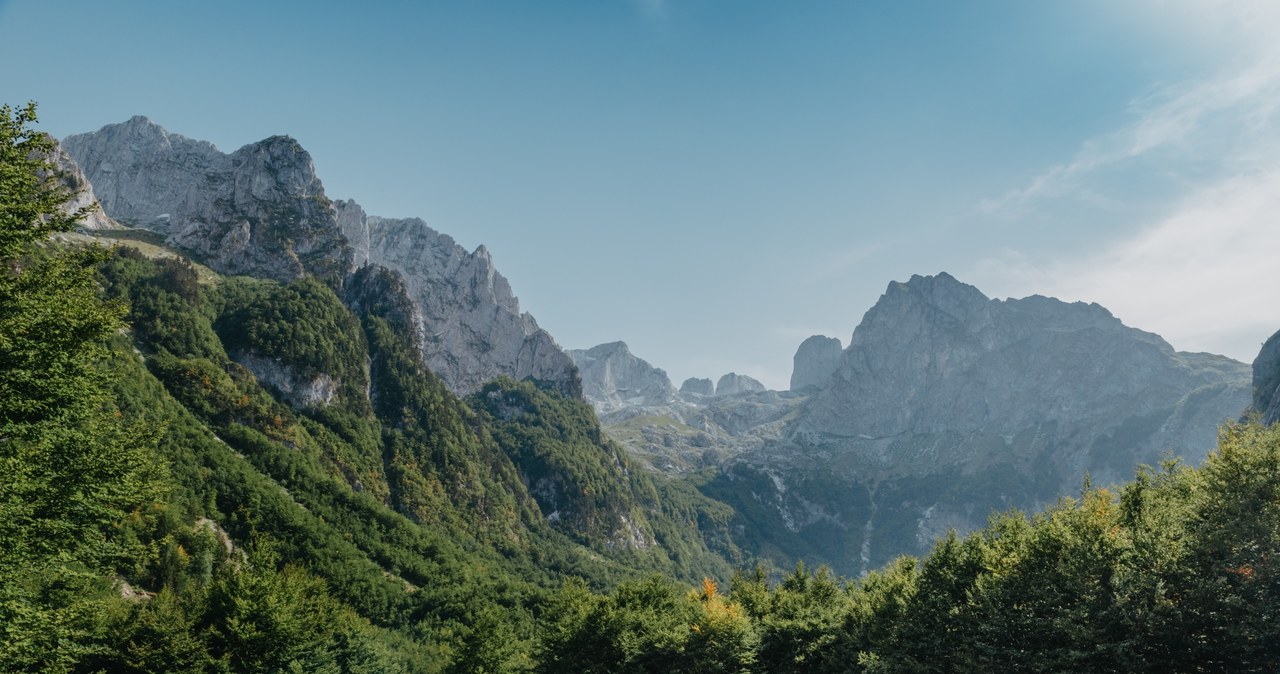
pixel 70 467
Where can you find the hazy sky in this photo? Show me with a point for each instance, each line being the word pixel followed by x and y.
pixel 712 182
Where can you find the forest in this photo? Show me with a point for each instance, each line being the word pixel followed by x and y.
pixel 164 509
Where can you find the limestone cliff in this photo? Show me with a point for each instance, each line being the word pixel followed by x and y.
pixel 736 384
pixel 614 378
pixel 262 211
pixel 84 198
pixel 815 360
pixel 259 211
pixel 472 329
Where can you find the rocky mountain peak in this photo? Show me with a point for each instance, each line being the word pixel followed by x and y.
pixel 695 386
pixel 936 355
pixel 472 329
pixel 815 360
pixel 262 211
pixel 734 384
pixel 141 172
pixel 259 211
pixel 942 290
pixel 614 378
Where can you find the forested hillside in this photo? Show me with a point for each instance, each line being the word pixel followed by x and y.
pixel 395 520
pixel 208 473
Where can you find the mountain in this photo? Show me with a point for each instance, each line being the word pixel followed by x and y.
pixel 341 315
pixel 613 378
pixel 262 211
pixel 468 319
pixel 948 404
pixel 297 467
pixel 695 386
pixel 815 360
pixel 675 432
pixel 733 384
pixel 259 211
pixel 937 356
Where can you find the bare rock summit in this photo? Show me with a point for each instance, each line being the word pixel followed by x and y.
pixel 815 360
pixel 262 211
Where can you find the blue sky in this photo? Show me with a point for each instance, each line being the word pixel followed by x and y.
pixel 712 182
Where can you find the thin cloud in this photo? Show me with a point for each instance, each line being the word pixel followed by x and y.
pixel 1172 118
pixel 1178 121
pixel 1199 272
pixel 1202 278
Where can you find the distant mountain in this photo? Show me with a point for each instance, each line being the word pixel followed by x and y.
pixel 613 378
pixel 697 427
pixel 262 211
pixel 735 384
pixel 948 404
pixel 814 362
pixel 696 386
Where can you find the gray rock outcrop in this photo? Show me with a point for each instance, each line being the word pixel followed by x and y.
pixel 815 360
pixel 262 211
pixel 1266 381
pixel 82 190
pixel 299 391
pixel 614 378
pixel 259 211
pixel 472 329
pixel 736 384
pixel 694 386
pixel 140 172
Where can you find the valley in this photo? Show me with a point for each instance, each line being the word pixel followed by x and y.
pixel 340 445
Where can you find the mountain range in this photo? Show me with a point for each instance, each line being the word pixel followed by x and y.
pixel 945 404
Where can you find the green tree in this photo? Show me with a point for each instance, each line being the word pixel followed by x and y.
pixel 1229 589
pixel 70 467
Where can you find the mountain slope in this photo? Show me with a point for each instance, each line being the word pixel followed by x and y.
pixel 948 405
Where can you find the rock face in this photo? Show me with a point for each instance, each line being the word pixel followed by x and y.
pixel 78 183
pixel 935 355
pixel 736 384
pixel 814 362
pixel 299 391
pixel 258 211
pixel 948 404
pixel 262 211
pixel 613 378
pixel 1266 381
pixel 140 172
pixel 472 328
pixel 693 386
